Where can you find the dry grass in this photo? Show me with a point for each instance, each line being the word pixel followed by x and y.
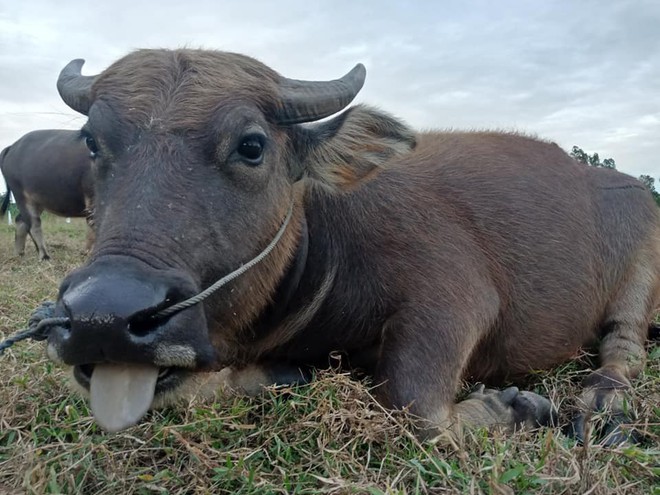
pixel 328 437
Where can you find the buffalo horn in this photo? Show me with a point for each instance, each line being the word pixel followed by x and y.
pixel 307 101
pixel 74 88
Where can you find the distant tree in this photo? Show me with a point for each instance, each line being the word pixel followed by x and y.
pixel 592 160
pixel 649 182
pixel 609 163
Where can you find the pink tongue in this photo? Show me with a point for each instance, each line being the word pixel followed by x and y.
pixel 120 394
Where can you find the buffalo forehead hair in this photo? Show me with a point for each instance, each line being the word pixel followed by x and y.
pixel 180 90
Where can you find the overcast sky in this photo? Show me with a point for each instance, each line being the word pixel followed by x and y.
pixel 583 73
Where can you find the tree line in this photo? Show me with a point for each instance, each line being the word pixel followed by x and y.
pixel 594 161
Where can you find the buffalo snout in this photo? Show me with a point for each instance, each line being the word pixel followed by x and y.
pixel 123 354
pixel 112 306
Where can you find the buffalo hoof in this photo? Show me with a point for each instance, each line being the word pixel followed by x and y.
pixel 604 416
pixel 608 430
pixel 528 408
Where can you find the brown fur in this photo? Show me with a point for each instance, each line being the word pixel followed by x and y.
pixel 425 259
pixel 185 87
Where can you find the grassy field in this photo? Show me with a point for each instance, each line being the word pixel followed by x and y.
pixel 328 437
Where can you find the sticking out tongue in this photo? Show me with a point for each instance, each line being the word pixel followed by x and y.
pixel 120 394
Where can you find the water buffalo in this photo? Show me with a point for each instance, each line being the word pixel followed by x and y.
pixel 48 170
pixel 422 258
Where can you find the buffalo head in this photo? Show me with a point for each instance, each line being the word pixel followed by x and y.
pixel 197 156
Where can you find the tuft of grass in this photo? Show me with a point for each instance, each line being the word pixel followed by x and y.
pixel 327 437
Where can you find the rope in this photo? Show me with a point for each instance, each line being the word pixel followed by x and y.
pixel 39 326
pixel 41 321
pixel 228 278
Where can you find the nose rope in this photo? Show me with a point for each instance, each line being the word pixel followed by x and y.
pixel 39 325
pixel 228 278
pixel 41 322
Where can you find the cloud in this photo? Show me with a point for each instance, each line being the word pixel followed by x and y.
pixel 578 73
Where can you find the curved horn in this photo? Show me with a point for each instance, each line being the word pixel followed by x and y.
pixel 306 101
pixel 74 88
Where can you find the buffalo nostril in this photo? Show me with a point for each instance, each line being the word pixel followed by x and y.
pixel 143 322
pixel 140 326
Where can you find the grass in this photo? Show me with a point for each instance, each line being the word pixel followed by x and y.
pixel 327 437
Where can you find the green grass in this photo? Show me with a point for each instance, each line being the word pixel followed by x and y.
pixel 327 437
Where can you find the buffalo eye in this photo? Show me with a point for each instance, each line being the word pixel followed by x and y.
pixel 91 146
pixel 251 149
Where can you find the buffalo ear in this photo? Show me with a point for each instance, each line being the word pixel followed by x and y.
pixel 343 151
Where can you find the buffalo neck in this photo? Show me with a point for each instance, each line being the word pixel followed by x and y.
pixel 284 296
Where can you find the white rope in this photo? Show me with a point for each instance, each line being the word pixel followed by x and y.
pixel 228 278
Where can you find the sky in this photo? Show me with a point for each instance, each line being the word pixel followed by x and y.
pixel 581 73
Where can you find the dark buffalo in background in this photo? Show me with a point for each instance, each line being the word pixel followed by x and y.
pixel 47 170
pixel 424 258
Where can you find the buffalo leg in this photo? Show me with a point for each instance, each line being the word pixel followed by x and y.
pixel 23 224
pixel 250 380
pixel 421 370
pixel 20 236
pixel 36 232
pixel 622 353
